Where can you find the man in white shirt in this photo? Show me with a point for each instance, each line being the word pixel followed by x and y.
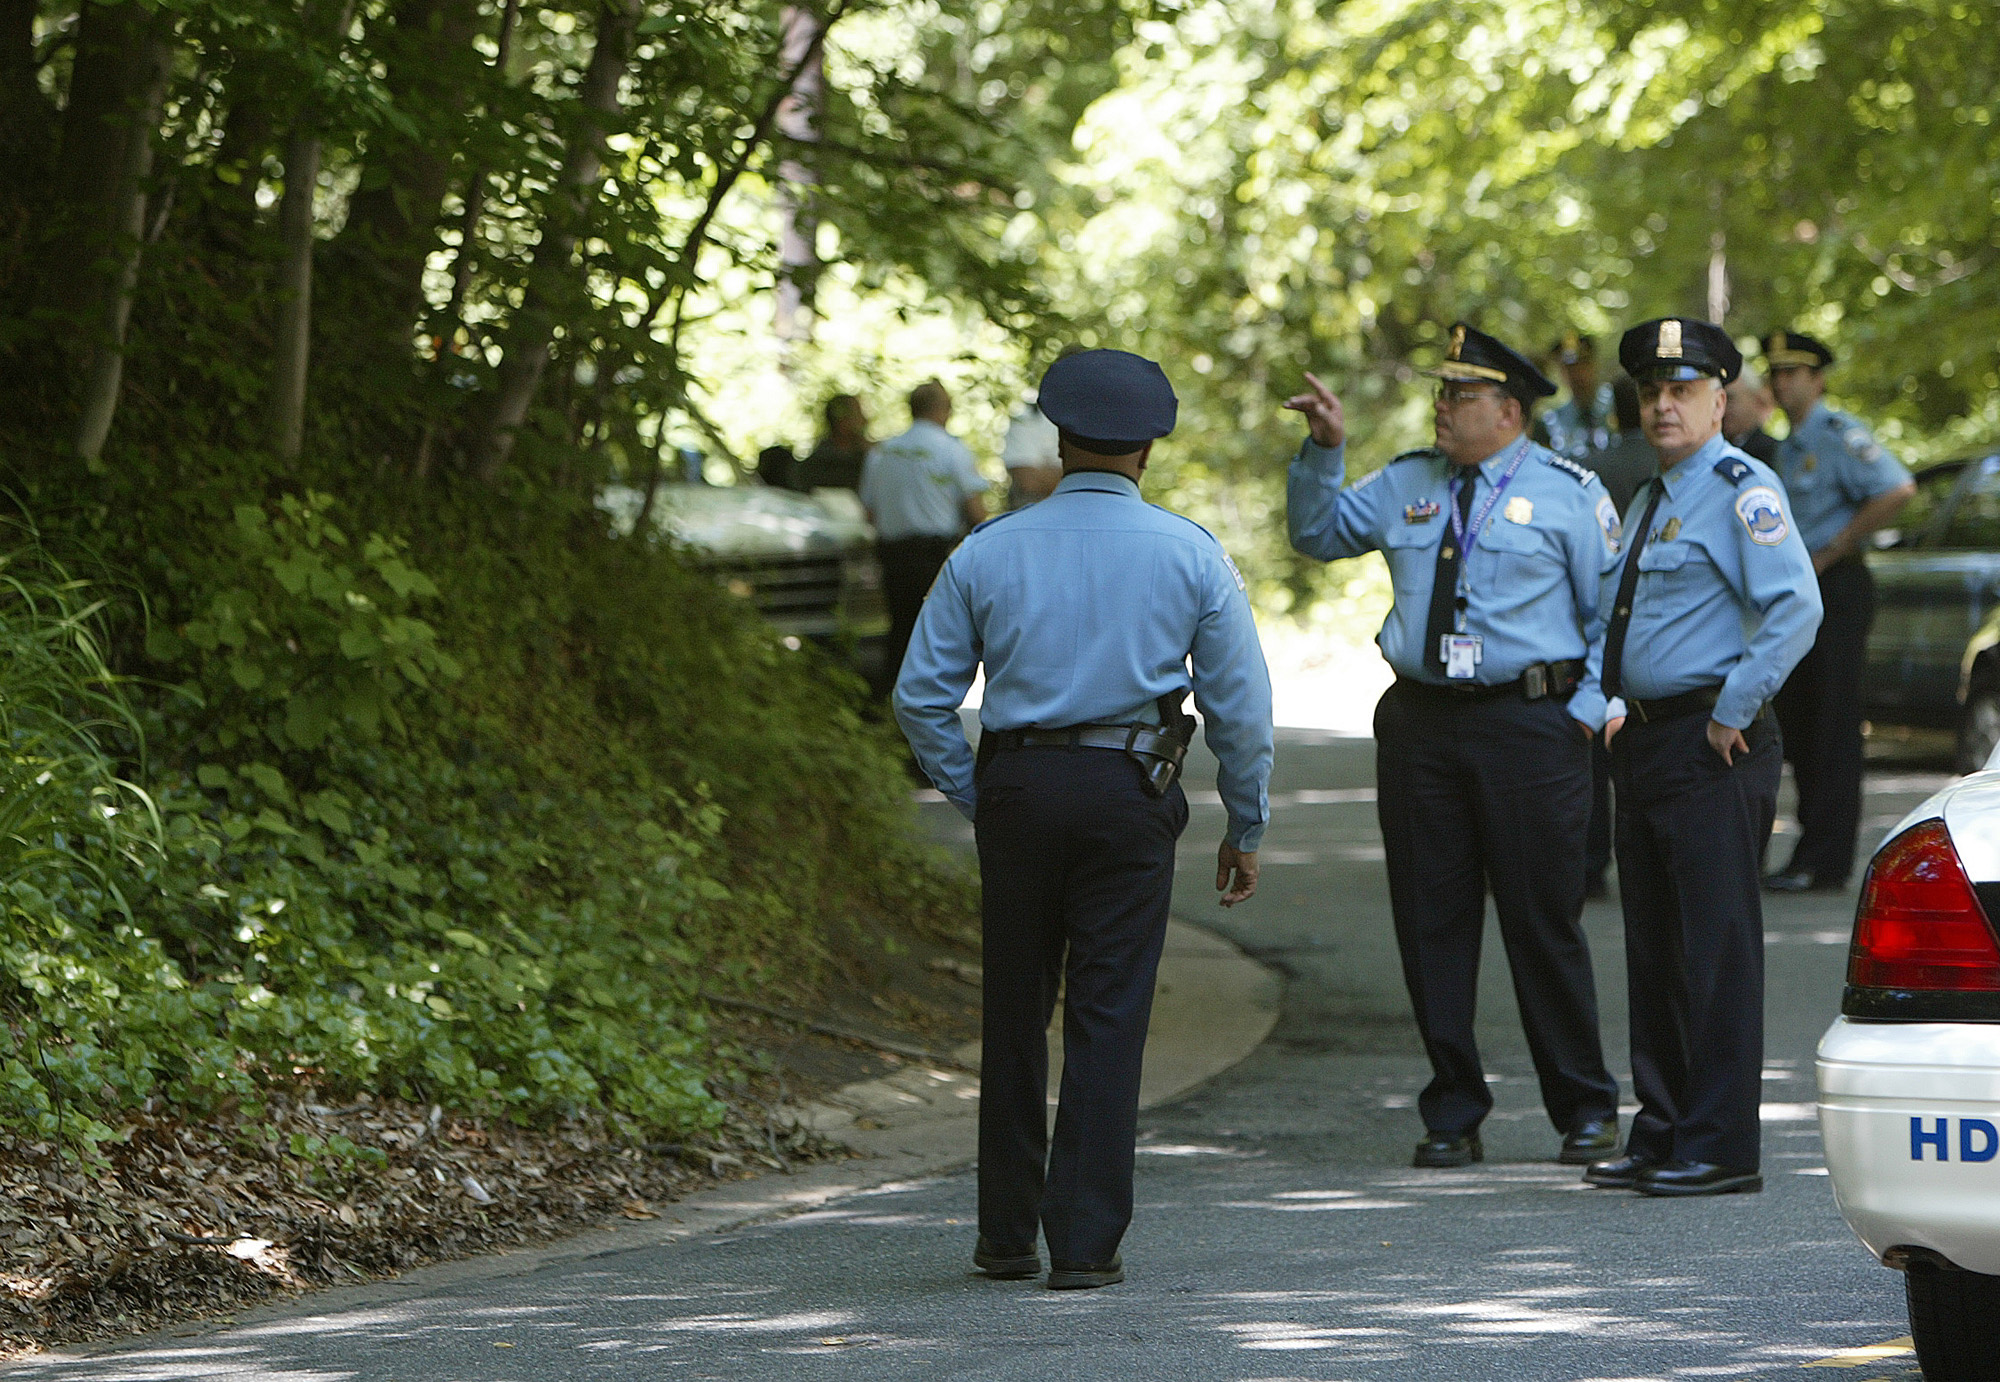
pixel 1029 453
pixel 922 492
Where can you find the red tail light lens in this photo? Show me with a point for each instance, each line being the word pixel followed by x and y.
pixel 1920 925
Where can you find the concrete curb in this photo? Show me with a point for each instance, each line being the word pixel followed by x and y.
pixel 1213 1006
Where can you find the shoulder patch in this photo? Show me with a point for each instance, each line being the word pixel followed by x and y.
pixel 1735 470
pixel 1763 515
pixel 1582 474
pixel 1607 519
pixel 1234 572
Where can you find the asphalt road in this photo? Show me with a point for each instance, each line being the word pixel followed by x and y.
pixel 1280 1232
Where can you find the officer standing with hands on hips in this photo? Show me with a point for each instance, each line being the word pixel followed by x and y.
pixel 1712 604
pixel 1497 549
pixel 1843 486
pixel 1088 609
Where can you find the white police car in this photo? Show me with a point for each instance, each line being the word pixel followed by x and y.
pixel 1909 1075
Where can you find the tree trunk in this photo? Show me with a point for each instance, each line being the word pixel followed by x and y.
pixel 552 278
pixel 798 253
pixel 392 222
pixel 123 63
pixel 295 276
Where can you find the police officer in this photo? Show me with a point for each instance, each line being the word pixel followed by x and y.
pixel 1496 547
pixel 1843 486
pixel 1711 605
pixel 1086 608
pixel 1585 421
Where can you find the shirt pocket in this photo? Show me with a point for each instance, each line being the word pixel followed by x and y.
pixel 1667 569
pixel 1515 556
pixel 1412 550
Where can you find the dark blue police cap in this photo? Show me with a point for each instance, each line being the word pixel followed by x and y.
pixel 1476 355
pixel 1784 349
pixel 1679 348
pixel 1110 402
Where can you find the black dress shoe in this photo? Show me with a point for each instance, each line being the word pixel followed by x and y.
pixel 1619 1173
pixel 1593 1139
pixel 1006 1266
pixel 1083 1276
pixel 1677 1178
pixel 1442 1149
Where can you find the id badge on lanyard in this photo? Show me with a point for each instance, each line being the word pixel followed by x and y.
pixel 1462 653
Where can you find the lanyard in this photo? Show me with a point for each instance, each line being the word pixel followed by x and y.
pixel 1458 525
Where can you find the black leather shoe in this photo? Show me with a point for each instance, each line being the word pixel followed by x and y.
pixel 1006 1266
pixel 1619 1173
pixel 1441 1149
pixel 1674 1178
pixel 1083 1276
pixel 1593 1139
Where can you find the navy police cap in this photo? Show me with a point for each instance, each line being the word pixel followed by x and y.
pixel 1476 355
pixel 1111 399
pixel 1785 349
pixel 1679 348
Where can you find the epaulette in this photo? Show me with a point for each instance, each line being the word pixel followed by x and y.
pixel 1189 521
pixel 1422 453
pixel 1582 474
pixel 1733 469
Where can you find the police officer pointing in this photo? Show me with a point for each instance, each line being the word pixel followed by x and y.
pixel 1711 605
pixel 1496 547
pixel 1088 610
pixel 1843 486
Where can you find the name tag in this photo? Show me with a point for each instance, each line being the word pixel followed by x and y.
pixel 1461 653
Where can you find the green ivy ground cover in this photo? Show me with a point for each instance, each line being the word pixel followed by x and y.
pixel 473 823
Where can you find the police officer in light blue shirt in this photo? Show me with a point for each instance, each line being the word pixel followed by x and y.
pixel 1843 486
pixel 1496 548
pixel 1586 421
pixel 1088 610
pixel 1711 605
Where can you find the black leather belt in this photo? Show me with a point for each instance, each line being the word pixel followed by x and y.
pixel 1686 703
pixel 1539 682
pixel 1144 738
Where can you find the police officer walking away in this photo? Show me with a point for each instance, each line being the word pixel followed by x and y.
pixel 1713 602
pixel 1843 486
pixel 1087 609
pixel 1496 548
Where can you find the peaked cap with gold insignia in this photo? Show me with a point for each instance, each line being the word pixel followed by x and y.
pixel 1786 349
pixel 1679 348
pixel 1476 355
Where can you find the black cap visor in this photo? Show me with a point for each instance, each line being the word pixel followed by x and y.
pixel 1664 373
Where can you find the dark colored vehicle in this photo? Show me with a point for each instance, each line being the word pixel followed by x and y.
pixel 1934 651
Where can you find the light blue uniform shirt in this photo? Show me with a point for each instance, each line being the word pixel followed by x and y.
pixel 916 484
pixel 1831 466
pixel 1726 591
pixel 1086 609
pixel 1571 434
pixel 1532 578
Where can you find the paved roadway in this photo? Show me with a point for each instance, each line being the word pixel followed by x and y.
pixel 1280 1233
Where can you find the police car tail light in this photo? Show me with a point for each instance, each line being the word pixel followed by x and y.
pixel 1920 925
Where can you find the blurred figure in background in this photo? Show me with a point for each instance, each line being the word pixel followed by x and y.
pixel 1843 486
pixel 1581 423
pixel 1029 453
pixel 779 468
pixel 922 492
pixel 1748 405
pixel 835 462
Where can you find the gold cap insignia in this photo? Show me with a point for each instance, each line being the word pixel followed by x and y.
pixel 1777 343
pixel 1457 342
pixel 1571 345
pixel 1670 340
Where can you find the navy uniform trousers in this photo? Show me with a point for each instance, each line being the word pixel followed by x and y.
pixel 1493 793
pixel 1691 833
pixel 1076 863
pixel 1819 710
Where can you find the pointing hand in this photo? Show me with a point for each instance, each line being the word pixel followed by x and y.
pixel 1323 413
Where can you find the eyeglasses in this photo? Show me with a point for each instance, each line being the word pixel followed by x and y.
pixel 1451 395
